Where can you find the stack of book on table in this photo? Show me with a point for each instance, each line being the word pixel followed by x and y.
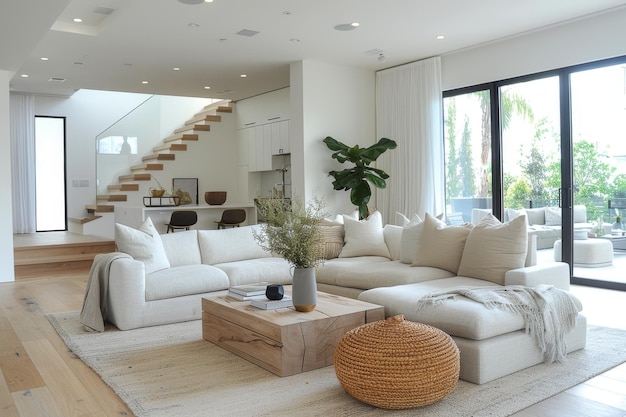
pixel 265 304
pixel 248 292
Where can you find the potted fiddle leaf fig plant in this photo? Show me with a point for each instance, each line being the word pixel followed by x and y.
pixel 357 179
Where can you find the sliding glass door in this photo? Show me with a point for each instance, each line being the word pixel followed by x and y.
pixel 552 146
pixel 599 166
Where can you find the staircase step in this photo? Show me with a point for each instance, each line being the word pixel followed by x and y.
pixel 215 105
pixel 123 187
pixel 135 177
pixel 170 147
pixel 99 208
pixel 112 197
pixel 193 128
pixel 147 167
pixel 185 137
pixel 203 117
pixel 159 157
pixel 83 220
pixel 224 109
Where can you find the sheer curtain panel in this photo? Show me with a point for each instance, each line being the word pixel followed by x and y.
pixel 409 110
pixel 22 119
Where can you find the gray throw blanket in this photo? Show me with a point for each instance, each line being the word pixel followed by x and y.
pixel 94 312
pixel 548 312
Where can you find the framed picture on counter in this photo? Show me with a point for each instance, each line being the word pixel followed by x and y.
pixel 186 189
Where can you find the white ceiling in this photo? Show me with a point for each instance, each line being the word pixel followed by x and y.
pixel 143 40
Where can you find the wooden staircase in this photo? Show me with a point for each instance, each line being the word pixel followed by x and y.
pixel 161 154
pixel 56 253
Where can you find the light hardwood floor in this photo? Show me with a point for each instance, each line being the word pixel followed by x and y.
pixel 39 376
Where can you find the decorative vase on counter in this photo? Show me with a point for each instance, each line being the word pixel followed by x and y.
pixel 304 289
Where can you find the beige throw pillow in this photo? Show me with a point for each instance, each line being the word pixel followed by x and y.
pixel 440 245
pixel 492 248
pixel 143 244
pixel 364 237
pixel 332 239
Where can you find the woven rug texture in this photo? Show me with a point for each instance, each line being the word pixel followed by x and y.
pixel 171 371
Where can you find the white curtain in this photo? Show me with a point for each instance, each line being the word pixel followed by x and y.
pixel 409 110
pixel 22 121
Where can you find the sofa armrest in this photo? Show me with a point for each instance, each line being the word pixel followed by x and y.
pixel 552 273
pixel 127 293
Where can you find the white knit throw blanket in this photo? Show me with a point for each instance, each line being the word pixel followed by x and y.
pixel 548 312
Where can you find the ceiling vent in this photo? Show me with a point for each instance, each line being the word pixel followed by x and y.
pixel 103 10
pixel 247 32
pixel 57 80
pixel 191 1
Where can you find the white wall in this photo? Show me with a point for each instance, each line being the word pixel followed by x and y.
pixel 6 220
pixel 327 100
pixel 599 37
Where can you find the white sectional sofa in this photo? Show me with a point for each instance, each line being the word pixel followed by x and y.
pixel 391 266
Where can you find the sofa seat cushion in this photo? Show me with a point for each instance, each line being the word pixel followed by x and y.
pixel 327 272
pixel 461 317
pixel 184 280
pixel 273 270
pixel 372 274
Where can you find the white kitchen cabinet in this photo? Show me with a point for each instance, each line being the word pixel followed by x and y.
pixel 280 137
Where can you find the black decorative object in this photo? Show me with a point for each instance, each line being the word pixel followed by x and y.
pixel 274 292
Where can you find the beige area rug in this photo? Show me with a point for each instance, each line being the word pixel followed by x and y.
pixel 171 371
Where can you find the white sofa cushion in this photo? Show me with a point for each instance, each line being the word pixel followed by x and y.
pixel 229 245
pixel 364 237
pixel 409 242
pixel 143 244
pixel 536 216
pixel 553 216
pixel 493 248
pixel 250 271
pixel 182 248
pixel 440 245
pixel 184 280
pixel 362 273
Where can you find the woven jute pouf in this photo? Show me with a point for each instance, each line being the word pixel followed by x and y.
pixel 397 364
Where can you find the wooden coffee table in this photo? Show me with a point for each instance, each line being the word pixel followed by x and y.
pixel 284 341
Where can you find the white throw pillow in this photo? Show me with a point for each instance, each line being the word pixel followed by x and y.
pixel 440 245
pixel 364 237
pixel 493 248
pixel 510 214
pixel 143 244
pixel 553 216
pixel 409 242
pixel 402 220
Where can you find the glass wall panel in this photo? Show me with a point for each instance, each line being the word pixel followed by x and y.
pixel 599 140
pixel 467 134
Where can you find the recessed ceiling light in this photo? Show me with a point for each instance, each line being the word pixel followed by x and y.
pixel 244 76
pixel 24 75
pixel 346 26
pixel 206 87
pixel 176 69
pixel 77 20
pixel 144 82
pixel 440 37
pixel 43 58
pixel 355 24
pixel 208 1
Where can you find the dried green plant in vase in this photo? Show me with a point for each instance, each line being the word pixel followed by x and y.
pixel 292 231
